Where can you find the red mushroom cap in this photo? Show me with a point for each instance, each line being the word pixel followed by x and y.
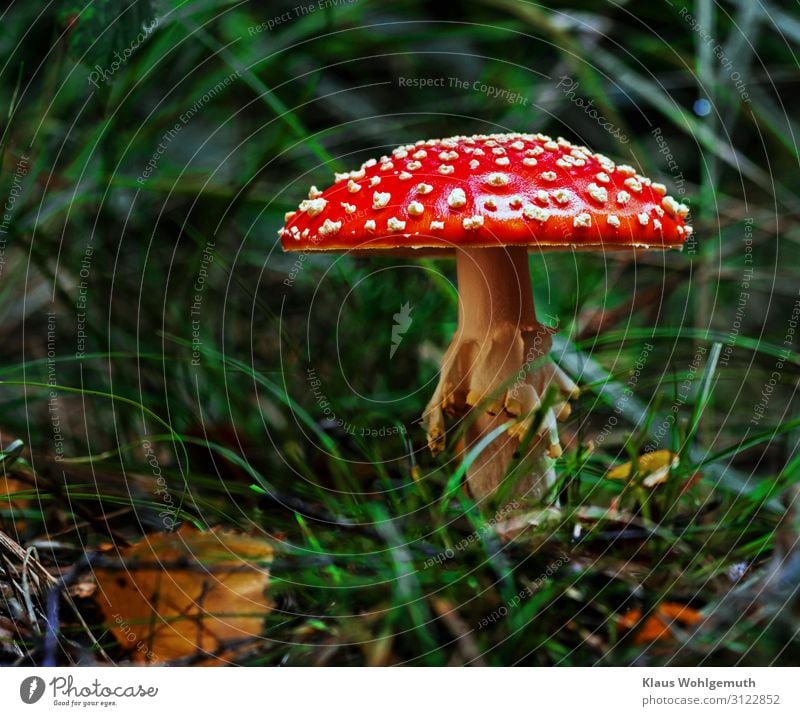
pixel 488 190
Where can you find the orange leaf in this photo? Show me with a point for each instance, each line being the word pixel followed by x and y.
pixel 11 501
pixel 657 626
pixel 629 619
pixel 680 613
pixel 186 593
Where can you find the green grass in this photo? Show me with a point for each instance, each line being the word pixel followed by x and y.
pixel 360 513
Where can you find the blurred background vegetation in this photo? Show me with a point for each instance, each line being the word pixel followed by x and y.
pixel 149 152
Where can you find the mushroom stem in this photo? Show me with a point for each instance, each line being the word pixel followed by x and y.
pixel 491 373
pixel 494 287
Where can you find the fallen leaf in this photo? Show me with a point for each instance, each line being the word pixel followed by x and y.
pixel 11 499
pixel 654 465
pixel 186 593
pixel 680 613
pixel 657 626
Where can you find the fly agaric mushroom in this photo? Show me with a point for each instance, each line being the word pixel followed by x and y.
pixel 490 199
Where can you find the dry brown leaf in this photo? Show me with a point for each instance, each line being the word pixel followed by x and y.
pixel 8 489
pixel 186 593
pixel 10 499
pixel 657 626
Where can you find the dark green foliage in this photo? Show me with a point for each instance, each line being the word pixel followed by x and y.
pixel 100 31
